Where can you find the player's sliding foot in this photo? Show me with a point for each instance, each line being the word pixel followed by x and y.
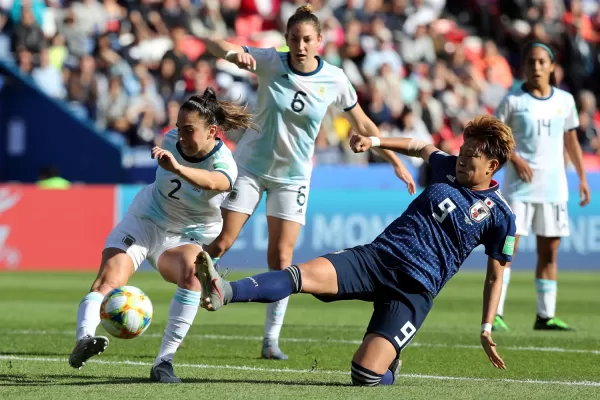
pixel 216 292
pixel 271 350
pixel 86 348
pixel 395 367
pixel 551 324
pixel 163 373
pixel 499 325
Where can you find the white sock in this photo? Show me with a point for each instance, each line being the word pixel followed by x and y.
pixel 546 297
pixel 182 312
pixel 505 282
pixel 274 319
pixel 88 315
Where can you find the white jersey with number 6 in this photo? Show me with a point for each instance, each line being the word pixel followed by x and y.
pixel 538 125
pixel 177 206
pixel 290 108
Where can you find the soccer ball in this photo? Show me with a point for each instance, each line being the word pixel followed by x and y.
pixel 126 312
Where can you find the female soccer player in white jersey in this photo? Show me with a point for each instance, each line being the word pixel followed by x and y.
pixel 295 90
pixel 543 119
pixel 167 224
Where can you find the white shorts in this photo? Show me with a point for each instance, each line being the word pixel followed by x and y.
pixel 545 219
pixel 142 239
pixel 284 200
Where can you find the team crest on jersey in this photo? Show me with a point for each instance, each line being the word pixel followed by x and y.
pixel 322 90
pixel 479 211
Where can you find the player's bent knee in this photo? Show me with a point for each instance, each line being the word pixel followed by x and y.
pixel 362 376
pixel 187 278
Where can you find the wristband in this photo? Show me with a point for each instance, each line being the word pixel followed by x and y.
pixel 375 141
pixel 486 328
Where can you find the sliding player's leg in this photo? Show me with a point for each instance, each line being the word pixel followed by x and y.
pixel 392 327
pixel 125 249
pixel 345 275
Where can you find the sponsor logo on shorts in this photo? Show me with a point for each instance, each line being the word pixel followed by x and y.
pixel 128 240
pixel 300 211
pixel 233 196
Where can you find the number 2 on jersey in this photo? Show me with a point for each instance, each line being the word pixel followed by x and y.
pixel 446 207
pixel 297 103
pixel 177 183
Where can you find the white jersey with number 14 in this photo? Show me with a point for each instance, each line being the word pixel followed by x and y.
pixel 538 125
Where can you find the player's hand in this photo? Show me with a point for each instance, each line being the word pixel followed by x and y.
pixel 165 159
pixel 406 177
pixel 359 143
pixel 523 169
pixel 490 349
pixel 584 194
pixel 243 61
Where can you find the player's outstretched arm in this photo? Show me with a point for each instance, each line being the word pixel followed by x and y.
pixel 406 146
pixel 367 128
pixel 491 298
pixel 230 52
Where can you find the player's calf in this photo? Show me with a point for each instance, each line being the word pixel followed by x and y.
pixel 362 376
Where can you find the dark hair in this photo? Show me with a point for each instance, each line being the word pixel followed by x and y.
pixel 224 114
pixel 495 138
pixel 551 53
pixel 304 14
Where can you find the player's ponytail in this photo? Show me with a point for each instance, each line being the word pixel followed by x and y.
pixel 304 14
pixel 225 114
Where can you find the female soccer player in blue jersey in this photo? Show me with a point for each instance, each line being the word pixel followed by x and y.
pixel 407 265
pixel 167 223
pixel 295 90
pixel 543 119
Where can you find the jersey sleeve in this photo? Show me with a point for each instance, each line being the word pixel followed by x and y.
pixel 572 119
pixel 502 112
pixel 346 98
pixel 267 59
pixel 499 241
pixel 442 164
pixel 228 167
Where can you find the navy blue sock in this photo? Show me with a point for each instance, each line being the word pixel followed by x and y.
pixel 388 378
pixel 267 287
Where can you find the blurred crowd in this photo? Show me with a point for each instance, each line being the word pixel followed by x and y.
pixel 422 68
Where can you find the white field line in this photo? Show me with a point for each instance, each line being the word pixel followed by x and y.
pixel 306 371
pixel 324 340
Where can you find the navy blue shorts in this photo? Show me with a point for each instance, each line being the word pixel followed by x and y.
pixel 400 307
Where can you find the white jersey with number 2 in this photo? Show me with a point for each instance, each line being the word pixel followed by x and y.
pixel 289 110
pixel 176 205
pixel 538 125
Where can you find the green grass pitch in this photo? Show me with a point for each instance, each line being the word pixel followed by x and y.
pixel 220 356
